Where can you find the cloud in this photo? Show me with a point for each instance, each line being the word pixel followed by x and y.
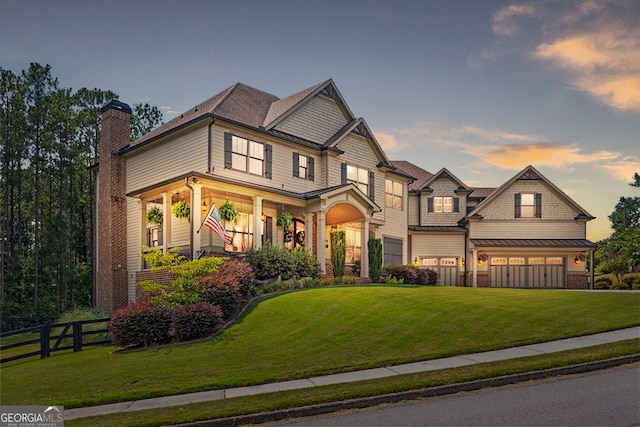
pixel 498 148
pixel 387 141
pixel 623 169
pixel 539 154
pixel 504 22
pixel 596 43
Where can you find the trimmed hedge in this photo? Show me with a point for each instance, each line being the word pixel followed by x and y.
pixel 270 262
pixel 194 321
pixel 140 324
pixel 410 274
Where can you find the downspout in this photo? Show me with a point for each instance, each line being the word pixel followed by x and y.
pixel 186 182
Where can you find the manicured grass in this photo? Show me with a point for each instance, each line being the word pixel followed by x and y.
pixel 321 331
pixel 339 392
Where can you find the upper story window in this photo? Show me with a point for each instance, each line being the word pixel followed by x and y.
pixel 443 204
pixel 393 194
pixel 528 205
pixel 303 166
pixel 246 155
pixel 358 176
pixel 362 178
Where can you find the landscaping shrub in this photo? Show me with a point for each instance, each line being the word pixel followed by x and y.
pixel 603 283
pixel 272 262
pixel 410 274
pixel 375 259
pixel 140 324
pixel 193 321
pixel 228 287
pixel 338 252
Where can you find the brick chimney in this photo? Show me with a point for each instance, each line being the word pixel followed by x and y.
pixel 111 216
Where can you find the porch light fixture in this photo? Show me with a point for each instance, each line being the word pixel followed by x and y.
pixel 576 260
pixel 416 262
pixel 204 207
pixel 263 217
pixel 479 261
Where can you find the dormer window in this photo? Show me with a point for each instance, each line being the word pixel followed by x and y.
pixel 528 205
pixel 443 204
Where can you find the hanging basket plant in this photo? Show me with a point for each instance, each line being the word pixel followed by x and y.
pixel 154 216
pixel 284 220
pixel 181 209
pixel 228 212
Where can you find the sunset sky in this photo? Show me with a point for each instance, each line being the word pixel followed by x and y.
pixel 483 88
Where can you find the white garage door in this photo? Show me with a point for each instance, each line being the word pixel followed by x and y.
pixel 527 272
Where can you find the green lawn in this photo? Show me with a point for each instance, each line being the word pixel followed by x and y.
pixel 320 331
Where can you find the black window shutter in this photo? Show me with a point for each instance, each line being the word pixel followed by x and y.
pixel 268 160
pixel 227 150
pixel 456 204
pixel 296 164
pixel 343 173
pixel 517 205
pixel 310 169
pixel 372 185
pixel 538 205
pixel 430 204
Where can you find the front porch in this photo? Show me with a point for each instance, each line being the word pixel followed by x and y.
pixel 313 214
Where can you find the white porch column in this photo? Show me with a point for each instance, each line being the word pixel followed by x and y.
pixel 166 222
pixel 475 268
pixel 143 227
pixel 308 232
pixel 258 225
pixel 364 249
pixel 322 236
pixel 196 218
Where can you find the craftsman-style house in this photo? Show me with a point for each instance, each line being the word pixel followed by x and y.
pixel 309 156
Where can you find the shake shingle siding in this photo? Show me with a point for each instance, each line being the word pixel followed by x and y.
pixel 317 120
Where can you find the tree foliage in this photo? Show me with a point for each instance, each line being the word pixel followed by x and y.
pixel 49 137
pixel 636 180
pixel 626 213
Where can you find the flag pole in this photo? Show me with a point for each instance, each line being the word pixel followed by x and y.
pixel 205 218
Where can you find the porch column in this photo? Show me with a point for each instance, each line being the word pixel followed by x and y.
pixel 308 232
pixel 475 268
pixel 166 221
pixel 322 236
pixel 258 226
pixel 592 261
pixel 364 249
pixel 196 218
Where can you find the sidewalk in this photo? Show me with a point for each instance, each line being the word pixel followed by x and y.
pixel 430 365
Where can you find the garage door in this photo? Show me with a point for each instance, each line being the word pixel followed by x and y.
pixel 527 272
pixel 447 269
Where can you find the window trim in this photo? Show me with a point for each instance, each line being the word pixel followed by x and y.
pixel 393 196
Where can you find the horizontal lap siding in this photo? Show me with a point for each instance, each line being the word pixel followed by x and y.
pixel 166 160
pixel 134 241
pixel 414 210
pixel 443 245
pixel 282 163
pixel 526 229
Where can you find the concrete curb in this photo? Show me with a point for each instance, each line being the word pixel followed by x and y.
pixel 326 408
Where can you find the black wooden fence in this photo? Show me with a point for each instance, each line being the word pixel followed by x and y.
pixel 44 339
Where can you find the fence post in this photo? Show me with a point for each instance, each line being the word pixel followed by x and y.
pixel 45 349
pixel 77 336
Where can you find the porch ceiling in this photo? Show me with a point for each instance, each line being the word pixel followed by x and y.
pixel 342 213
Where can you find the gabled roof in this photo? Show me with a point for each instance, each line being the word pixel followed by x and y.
pixel 339 189
pixel 282 108
pixel 444 173
pixel 359 127
pixel 261 111
pixel 481 192
pixel 421 176
pixel 530 173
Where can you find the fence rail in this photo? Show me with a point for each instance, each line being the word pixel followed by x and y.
pixel 50 338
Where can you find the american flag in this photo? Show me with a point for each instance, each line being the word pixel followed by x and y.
pixel 213 222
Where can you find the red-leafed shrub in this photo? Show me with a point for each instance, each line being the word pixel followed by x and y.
pixel 229 286
pixel 411 274
pixel 140 324
pixel 197 320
